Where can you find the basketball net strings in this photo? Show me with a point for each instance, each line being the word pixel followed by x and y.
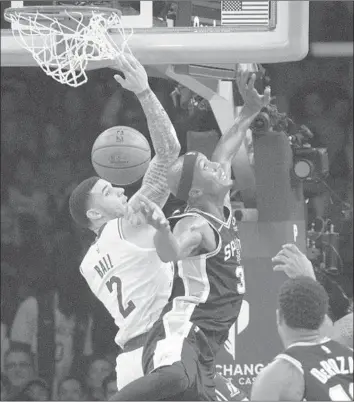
pixel 86 42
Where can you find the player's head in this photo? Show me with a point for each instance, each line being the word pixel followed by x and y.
pixel 194 176
pixel 302 306
pixel 95 201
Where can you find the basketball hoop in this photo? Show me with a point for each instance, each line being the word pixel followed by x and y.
pixel 63 39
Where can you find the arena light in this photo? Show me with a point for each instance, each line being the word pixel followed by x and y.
pixel 310 164
pixel 303 169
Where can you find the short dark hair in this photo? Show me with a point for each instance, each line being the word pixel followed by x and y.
pixel 303 303
pixel 78 201
pixel 111 378
pixel 37 381
pixel 78 379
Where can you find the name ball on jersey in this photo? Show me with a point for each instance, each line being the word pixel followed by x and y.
pixel 121 155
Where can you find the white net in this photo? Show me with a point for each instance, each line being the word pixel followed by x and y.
pixel 63 49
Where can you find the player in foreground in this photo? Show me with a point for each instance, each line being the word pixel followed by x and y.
pixel 179 353
pixel 312 367
pixel 294 263
pixel 122 267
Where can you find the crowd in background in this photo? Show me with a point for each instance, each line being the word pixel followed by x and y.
pixel 47 131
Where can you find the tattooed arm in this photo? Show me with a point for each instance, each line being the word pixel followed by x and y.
pixel 162 132
pixel 166 146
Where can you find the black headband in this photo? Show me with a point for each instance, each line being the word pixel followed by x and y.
pixel 186 180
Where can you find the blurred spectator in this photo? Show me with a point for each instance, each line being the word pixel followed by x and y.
pixel 10 248
pixel 72 389
pixel 50 325
pixel 19 368
pixel 55 169
pixel 25 196
pixel 35 390
pixel 22 251
pixel 98 369
pixel 110 386
pixel 325 108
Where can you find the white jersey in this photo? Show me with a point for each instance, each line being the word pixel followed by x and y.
pixel 132 282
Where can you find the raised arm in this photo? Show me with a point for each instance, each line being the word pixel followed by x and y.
pixel 230 143
pixel 162 132
pixel 190 234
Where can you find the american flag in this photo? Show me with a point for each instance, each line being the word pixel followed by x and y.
pixel 245 12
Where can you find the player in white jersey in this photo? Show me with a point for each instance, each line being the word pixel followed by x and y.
pixel 122 267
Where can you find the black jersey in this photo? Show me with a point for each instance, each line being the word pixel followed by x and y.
pixel 213 282
pixel 327 368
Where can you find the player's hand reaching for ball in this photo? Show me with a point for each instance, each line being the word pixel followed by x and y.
pixel 136 79
pixel 152 213
pixel 252 99
pixel 140 210
pixel 293 262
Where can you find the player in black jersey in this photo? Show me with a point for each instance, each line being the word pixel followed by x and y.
pixel 179 353
pixel 311 367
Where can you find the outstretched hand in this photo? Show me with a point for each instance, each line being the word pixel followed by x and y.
pixel 151 212
pixel 293 262
pixel 136 79
pixel 252 99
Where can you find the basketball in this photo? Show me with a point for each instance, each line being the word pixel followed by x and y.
pixel 121 155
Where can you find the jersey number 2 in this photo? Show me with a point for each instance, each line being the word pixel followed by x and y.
pixel 130 306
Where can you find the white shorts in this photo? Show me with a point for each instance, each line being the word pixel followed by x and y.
pixel 129 366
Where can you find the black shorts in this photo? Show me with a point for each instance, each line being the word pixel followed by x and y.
pixel 189 350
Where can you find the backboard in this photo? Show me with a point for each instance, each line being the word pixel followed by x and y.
pixel 200 32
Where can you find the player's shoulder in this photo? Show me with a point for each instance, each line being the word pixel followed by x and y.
pixel 280 380
pixel 187 220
